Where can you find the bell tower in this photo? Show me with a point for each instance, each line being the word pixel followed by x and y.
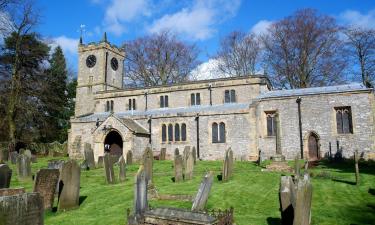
pixel 100 68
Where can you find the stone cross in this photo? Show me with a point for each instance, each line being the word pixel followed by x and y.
pixel 163 153
pixel 70 177
pixel 189 167
pixel 20 209
pixel 148 164
pixel 122 168
pixel 5 176
pixel 140 192
pixel 45 183
pixel 203 193
pixel 108 168
pixel 89 156
pixel 178 168
pixel 194 151
pixel 23 167
pixel 129 157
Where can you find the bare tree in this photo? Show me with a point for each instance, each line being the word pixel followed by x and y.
pixel 158 59
pixel 361 46
pixel 239 54
pixel 304 50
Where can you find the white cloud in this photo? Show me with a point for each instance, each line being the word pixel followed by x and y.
pixel 69 45
pixel 261 27
pixel 356 18
pixel 207 70
pixel 122 11
pixel 198 20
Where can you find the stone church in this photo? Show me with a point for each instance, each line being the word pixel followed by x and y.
pixel 242 113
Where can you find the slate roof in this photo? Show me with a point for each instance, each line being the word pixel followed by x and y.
pixel 315 90
pixel 134 126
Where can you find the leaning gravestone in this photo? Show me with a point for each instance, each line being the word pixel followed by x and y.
pixel 228 165
pixel 163 152
pixel 203 193
pixel 13 157
pixel 23 167
pixel 100 162
pixel 189 167
pixel 22 209
pixel 122 169
pixel 45 184
pixel 194 152
pixel 5 176
pixel 129 157
pixel 89 156
pixel 108 168
pixel 140 192
pixel 148 164
pixel 178 168
pixel 70 181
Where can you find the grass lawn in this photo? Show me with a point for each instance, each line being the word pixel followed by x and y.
pixel 252 193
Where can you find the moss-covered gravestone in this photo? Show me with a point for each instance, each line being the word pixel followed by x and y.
pixel 178 176
pixel 70 179
pixel 147 162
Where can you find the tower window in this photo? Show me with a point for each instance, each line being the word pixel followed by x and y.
pixel 132 104
pixel 164 101
pixel 195 98
pixel 344 120
pixel 229 96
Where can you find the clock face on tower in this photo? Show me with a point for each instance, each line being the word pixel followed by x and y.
pixel 91 61
pixel 114 63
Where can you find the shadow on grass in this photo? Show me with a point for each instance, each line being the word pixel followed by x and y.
pixel 344 181
pixel 82 199
pixel 347 166
pixel 371 191
pixel 273 221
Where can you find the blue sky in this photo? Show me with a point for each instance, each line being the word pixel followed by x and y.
pixel 202 22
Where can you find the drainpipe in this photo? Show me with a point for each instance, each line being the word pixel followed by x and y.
pixel 149 130
pixel 300 125
pixel 197 121
pixel 210 89
pixel 146 94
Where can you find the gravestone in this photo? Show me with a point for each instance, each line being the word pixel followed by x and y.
pixel 178 168
pixel 148 164
pixel 231 162
pixel 84 165
pixel 23 209
pixel 89 156
pixel 13 157
pixel 27 153
pixel 55 164
pixel 34 159
pixel 163 153
pixel 122 169
pixel 185 155
pixel 228 165
pixel 23 167
pixel 100 162
pixel 176 152
pixel 203 193
pixel 4 155
pixel 45 183
pixel 140 192
pixel 108 169
pixel 189 167
pixel 5 176
pixel 129 157
pixel 287 199
pixel 11 191
pixel 21 151
pixel 70 181
pixel 194 152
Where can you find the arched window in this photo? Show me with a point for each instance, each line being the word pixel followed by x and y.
pixel 215 131
pixel 183 132
pixel 163 133
pixel 222 132
pixel 177 132
pixel 170 132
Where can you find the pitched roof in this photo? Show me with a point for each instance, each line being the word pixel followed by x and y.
pixel 134 126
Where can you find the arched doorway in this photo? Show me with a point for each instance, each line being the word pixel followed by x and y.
pixel 114 141
pixel 313 146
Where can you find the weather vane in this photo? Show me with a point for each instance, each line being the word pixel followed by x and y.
pixel 81 30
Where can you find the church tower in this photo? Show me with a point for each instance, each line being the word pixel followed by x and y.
pixel 100 68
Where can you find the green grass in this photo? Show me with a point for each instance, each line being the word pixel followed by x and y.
pixel 252 193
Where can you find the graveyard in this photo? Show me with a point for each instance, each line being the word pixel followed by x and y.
pixel 251 191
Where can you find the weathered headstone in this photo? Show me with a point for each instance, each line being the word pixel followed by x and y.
pixel 27 152
pixel 5 176
pixel 287 200
pixel 140 192
pixel 189 167
pixel 230 162
pixel 194 152
pixel 23 209
pixel 4 155
pixel 89 156
pixel 163 153
pixel 122 169
pixel 45 184
pixel 11 191
pixel 129 157
pixel 203 193
pixel 297 167
pixel 100 162
pixel 13 157
pixel 185 154
pixel 108 169
pixel 225 173
pixel 70 181
pixel 178 177
pixel 176 152
pixel 21 151
pixel 23 167
pixel 147 162
pixel 302 212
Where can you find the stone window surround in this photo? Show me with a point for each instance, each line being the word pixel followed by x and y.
pixel 163 96
pixel 334 122
pixel 132 104
pixel 173 133
pixel 210 123
pixel 195 96
pixel 231 95
pixel 271 113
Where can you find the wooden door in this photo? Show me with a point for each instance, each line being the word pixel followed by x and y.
pixel 313 148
